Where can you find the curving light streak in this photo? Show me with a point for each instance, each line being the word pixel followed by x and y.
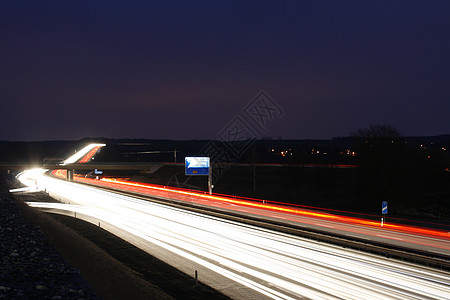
pixel 32 178
pixel 274 264
pixel 84 154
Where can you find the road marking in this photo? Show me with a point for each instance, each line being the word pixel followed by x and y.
pixel 390 237
pixel 322 225
pixel 422 237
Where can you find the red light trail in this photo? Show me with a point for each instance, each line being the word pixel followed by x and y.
pixel 215 200
pixel 88 156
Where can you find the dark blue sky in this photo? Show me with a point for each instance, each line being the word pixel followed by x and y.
pixel 185 69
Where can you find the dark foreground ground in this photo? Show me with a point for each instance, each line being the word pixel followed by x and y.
pixel 54 257
pixel 30 267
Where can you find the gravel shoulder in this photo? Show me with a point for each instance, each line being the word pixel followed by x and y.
pixel 31 268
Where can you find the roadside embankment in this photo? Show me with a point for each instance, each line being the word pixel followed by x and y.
pixel 30 266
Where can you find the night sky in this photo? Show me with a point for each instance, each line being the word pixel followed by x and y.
pixel 186 69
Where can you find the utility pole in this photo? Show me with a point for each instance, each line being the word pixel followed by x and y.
pixel 254 170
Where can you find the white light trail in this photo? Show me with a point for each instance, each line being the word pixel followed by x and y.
pixel 274 264
pixel 31 179
pixel 77 156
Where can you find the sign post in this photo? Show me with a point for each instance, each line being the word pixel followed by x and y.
pixel 384 210
pixel 210 185
pixel 199 166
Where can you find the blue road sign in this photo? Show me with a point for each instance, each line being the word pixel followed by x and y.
pixel 384 207
pixel 197 165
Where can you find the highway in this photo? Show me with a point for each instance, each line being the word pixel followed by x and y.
pixel 434 242
pixel 244 261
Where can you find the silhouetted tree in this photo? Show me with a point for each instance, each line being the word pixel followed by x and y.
pixel 382 157
pixel 377 133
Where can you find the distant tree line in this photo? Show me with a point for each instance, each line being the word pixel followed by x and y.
pixel 397 171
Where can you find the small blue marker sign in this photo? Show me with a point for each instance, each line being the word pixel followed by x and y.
pixel 384 207
pixel 197 165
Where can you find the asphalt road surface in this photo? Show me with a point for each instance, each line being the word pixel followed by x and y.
pixel 249 262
